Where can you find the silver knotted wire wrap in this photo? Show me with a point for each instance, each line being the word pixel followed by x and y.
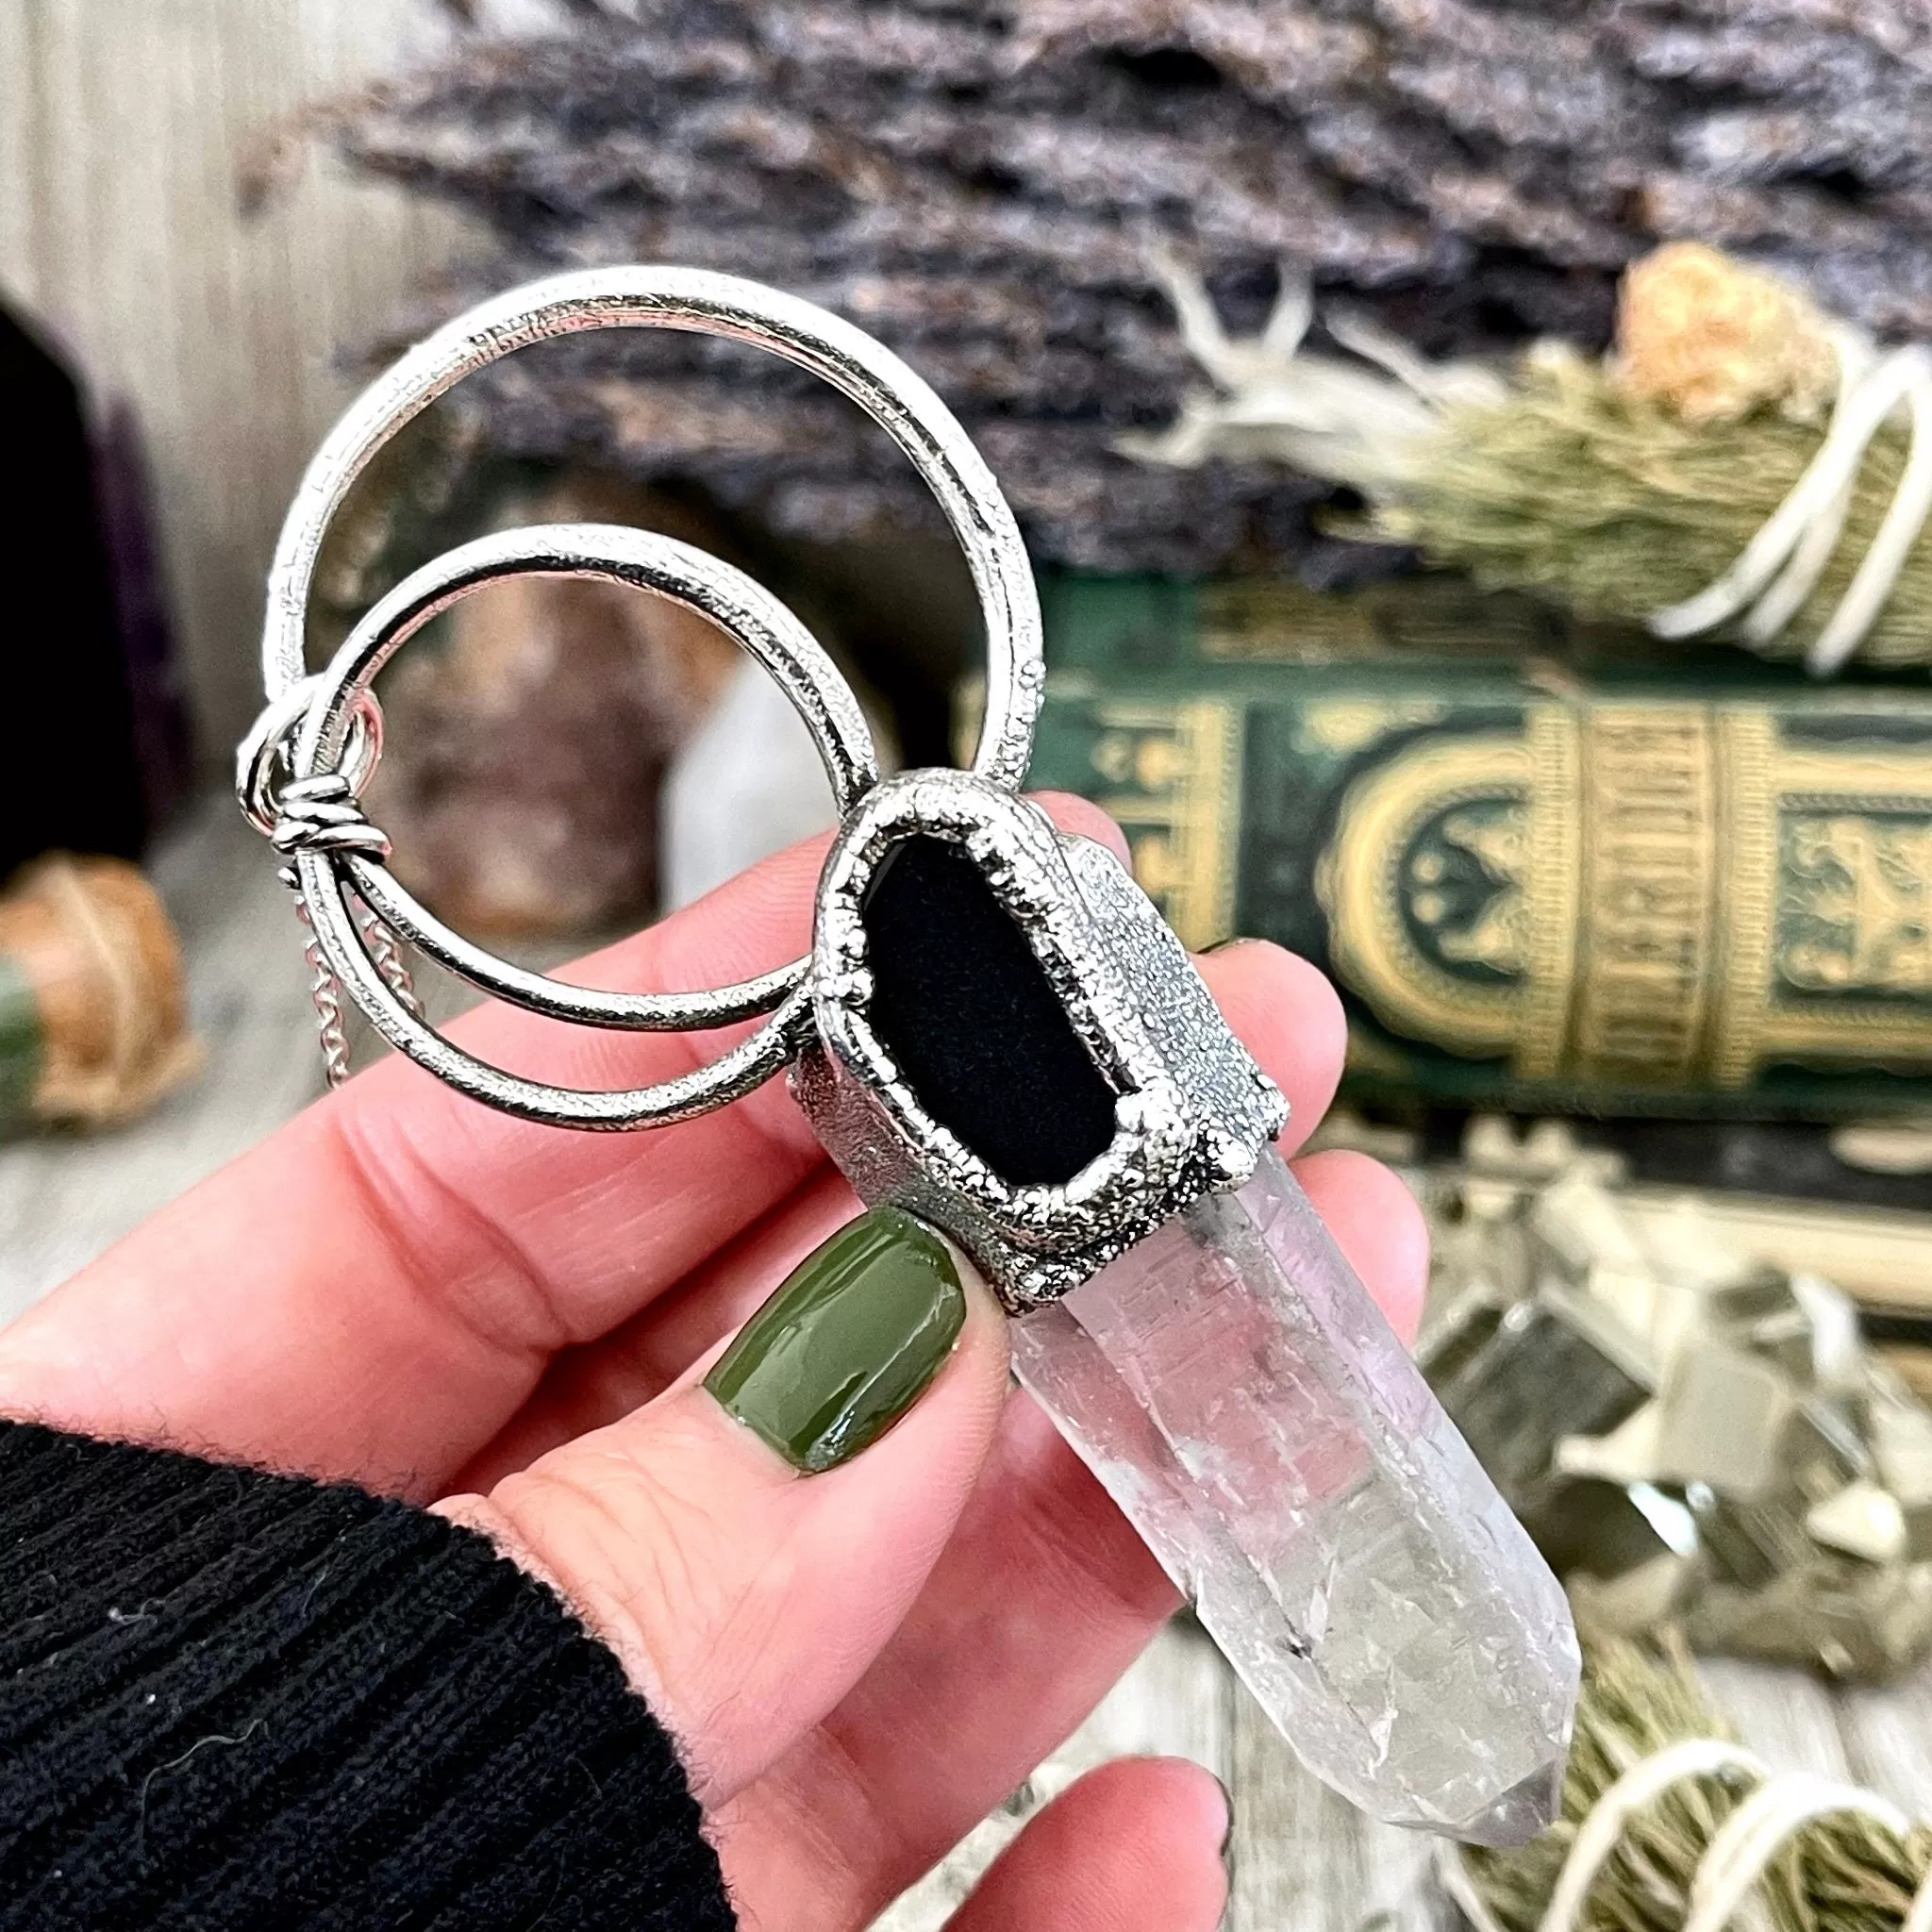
pixel 302 770
pixel 323 814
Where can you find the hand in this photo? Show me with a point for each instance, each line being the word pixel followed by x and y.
pixel 515 1322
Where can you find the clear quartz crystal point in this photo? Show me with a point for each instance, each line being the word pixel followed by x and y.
pixel 1241 1397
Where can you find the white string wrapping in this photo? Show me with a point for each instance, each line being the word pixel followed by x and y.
pixel 1736 1858
pixel 1337 419
pixel 1604 1828
pixel 1734 1862
pixel 1918 1917
pixel 1780 566
pixel 1753 1834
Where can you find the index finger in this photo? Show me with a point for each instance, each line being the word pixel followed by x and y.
pixel 376 1289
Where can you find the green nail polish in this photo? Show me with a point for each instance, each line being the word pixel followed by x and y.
pixel 848 1342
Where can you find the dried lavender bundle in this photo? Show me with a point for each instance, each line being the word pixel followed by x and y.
pixel 984 183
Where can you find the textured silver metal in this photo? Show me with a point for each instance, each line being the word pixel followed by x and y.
pixel 1193 1111
pixel 323 814
pixel 303 767
pixel 261 759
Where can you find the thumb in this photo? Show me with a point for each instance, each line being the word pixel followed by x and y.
pixel 749 1541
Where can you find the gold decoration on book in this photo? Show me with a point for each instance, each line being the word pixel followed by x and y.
pixel 1540 880
pixel 1182 764
pixel 1640 890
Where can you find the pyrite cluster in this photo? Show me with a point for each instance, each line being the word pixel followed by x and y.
pixel 1689 1436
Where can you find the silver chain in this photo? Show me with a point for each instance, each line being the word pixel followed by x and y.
pixel 325 992
pixel 392 959
pixel 324 814
pixel 388 957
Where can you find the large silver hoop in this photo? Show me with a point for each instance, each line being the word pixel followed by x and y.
pixel 321 732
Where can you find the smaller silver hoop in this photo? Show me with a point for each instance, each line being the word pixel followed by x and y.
pixel 745 1067
pixel 324 728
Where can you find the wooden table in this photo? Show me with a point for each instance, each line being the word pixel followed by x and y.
pixel 1303 1860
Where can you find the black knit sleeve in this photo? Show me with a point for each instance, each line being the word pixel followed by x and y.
pixel 237 1700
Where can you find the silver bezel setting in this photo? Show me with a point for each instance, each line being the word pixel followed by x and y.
pixel 1191 1112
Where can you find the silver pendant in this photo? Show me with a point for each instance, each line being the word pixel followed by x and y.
pixel 1179 1309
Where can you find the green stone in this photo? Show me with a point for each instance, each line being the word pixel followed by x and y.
pixel 19 1044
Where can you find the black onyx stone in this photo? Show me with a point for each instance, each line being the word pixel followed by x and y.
pixel 967 1011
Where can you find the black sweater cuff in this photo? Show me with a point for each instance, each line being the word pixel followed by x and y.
pixel 230 1699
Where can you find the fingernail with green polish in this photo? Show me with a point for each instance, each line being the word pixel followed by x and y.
pixel 847 1343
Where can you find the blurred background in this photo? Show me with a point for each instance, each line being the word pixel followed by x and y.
pixel 1470 455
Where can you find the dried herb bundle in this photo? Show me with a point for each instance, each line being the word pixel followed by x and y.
pixel 1740 465
pixel 1618 507
pixel 1843 1872
pixel 979 183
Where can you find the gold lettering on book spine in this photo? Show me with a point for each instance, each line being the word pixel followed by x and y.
pixel 1644 977
pixel 1746 900
pixel 1554 889
pixel 1642 893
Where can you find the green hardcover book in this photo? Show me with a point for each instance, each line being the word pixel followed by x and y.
pixel 1546 877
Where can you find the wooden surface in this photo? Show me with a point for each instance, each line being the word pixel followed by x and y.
pixel 1303 1861
pixel 127 129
